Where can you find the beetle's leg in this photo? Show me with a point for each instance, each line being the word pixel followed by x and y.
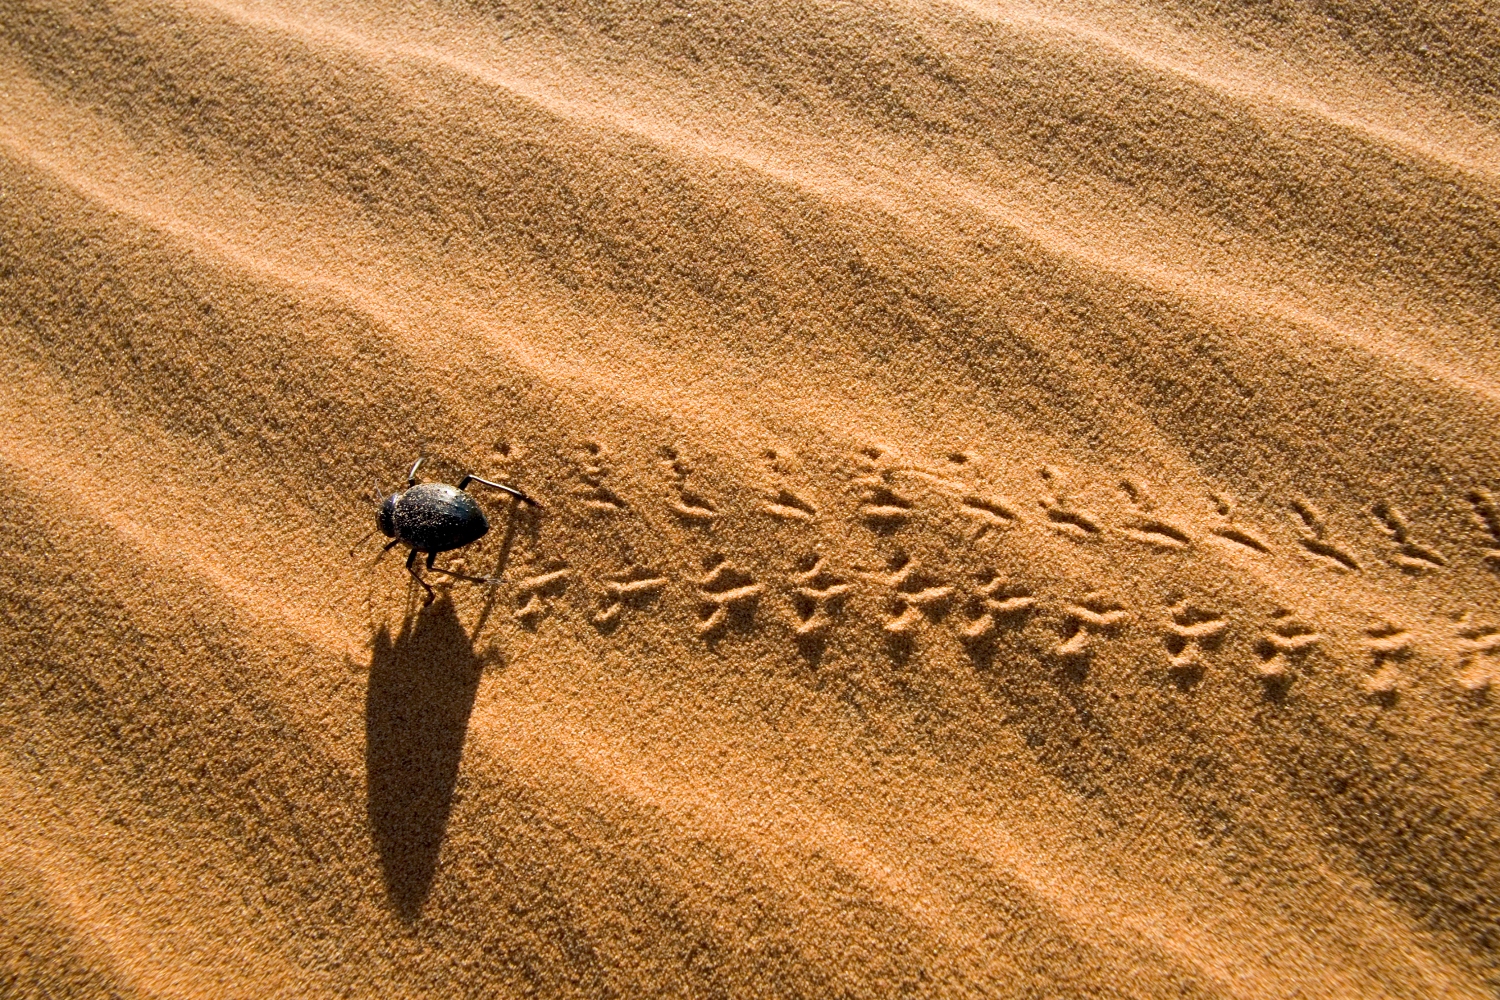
pixel 466 480
pixel 362 541
pixel 452 573
pixel 384 549
pixel 411 477
pixel 411 567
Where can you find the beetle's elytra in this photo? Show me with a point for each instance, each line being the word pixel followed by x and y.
pixel 436 517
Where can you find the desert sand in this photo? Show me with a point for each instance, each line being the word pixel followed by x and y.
pixel 1020 499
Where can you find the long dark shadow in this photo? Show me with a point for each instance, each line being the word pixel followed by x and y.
pixel 422 688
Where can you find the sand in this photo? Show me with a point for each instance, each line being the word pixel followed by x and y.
pixel 1020 499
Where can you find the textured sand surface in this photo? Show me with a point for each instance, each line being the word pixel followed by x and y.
pixel 1021 498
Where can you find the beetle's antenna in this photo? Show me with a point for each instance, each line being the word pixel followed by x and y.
pixel 379 500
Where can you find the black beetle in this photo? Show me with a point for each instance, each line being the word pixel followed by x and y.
pixel 436 517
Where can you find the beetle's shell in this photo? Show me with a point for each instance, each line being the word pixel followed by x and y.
pixel 436 517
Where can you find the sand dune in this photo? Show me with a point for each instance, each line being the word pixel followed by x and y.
pixel 1020 511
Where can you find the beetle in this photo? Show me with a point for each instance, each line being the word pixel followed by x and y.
pixel 436 517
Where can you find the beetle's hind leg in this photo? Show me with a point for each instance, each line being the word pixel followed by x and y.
pixel 448 572
pixel 411 567
pixel 471 478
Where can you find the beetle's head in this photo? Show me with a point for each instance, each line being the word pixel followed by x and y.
pixel 388 515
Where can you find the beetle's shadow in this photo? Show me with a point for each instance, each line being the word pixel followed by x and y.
pixel 421 692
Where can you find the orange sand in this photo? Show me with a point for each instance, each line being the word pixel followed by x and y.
pixel 1021 504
